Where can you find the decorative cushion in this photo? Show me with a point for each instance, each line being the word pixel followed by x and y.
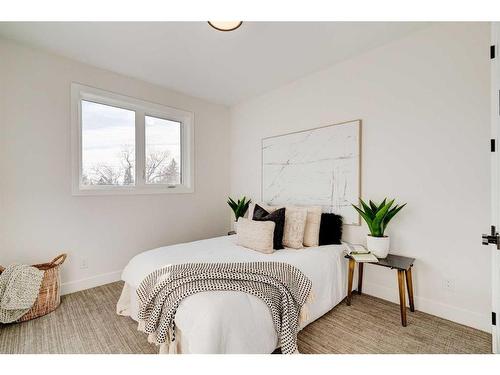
pixel 313 220
pixel 266 207
pixel 278 217
pixel 330 232
pixel 256 235
pixel 295 224
pixel 250 211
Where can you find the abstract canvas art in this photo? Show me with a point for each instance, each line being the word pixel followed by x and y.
pixel 319 166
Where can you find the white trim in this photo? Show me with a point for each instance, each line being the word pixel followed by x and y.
pixel 495 186
pixel 90 282
pixel 466 317
pixel 142 108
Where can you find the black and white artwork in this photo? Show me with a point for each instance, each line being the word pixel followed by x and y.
pixel 320 166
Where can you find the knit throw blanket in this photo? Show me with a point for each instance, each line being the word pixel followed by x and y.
pixel 19 287
pixel 283 288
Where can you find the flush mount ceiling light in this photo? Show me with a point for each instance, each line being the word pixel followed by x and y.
pixel 225 25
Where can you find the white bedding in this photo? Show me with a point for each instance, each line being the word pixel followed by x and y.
pixel 235 322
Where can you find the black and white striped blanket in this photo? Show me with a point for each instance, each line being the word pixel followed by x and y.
pixel 284 289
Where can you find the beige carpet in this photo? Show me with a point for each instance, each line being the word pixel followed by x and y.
pixel 86 323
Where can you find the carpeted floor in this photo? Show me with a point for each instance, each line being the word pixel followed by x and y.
pixel 86 322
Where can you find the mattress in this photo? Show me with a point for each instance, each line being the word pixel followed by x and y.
pixel 229 321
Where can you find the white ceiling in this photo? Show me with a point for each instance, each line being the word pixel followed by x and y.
pixel 193 58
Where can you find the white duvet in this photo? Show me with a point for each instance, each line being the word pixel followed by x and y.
pixel 235 322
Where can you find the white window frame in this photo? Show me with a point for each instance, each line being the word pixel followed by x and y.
pixel 142 109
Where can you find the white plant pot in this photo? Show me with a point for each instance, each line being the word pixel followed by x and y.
pixel 378 246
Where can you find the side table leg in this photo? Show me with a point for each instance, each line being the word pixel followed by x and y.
pixel 360 277
pixel 409 286
pixel 402 297
pixel 352 263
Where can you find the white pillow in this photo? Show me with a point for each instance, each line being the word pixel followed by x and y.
pixel 251 208
pixel 255 235
pixel 295 225
pixel 313 221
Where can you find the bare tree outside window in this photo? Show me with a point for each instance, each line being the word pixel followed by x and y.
pixel 128 165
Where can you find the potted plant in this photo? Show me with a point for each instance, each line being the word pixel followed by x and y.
pixel 240 207
pixel 377 217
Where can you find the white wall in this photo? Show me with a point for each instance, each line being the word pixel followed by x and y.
pixel 39 216
pixel 424 102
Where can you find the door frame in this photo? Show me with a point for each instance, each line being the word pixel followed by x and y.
pixel 495 186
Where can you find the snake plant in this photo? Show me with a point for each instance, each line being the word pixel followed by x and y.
pixel 240 207
pixel 377 216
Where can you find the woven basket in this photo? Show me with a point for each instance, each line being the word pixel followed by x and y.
pixel 49 296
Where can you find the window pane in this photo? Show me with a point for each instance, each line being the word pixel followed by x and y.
pixel 163 151
pixel 108 145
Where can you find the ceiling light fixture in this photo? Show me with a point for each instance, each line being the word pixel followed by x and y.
pixel 225 25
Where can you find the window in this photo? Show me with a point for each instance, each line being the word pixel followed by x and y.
pixel 122 145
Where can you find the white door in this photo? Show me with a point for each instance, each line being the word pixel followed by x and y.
pixel 495 191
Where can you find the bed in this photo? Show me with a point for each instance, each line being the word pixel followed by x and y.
pixel 229 321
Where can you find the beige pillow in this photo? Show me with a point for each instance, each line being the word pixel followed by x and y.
pixel 256 235
pixel 295 225
pixel 251 208
pixel 313 221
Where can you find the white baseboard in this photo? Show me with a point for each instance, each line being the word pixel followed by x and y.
pixel 90 282
pixel 466 317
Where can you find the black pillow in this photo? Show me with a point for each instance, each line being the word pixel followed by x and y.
pixel 278 217
pixel 330 229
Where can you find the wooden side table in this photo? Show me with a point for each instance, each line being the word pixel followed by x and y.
pixel 402 264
